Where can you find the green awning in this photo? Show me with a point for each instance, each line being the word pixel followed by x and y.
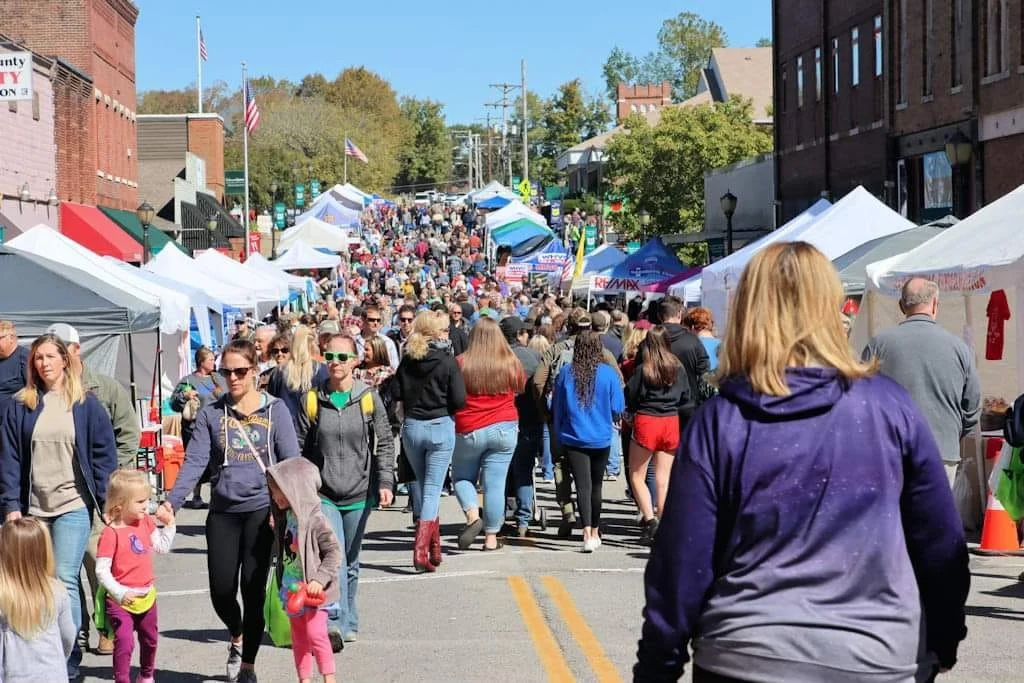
pixel 129 222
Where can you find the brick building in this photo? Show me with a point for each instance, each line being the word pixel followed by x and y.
pixel 95 39
pixel 633 99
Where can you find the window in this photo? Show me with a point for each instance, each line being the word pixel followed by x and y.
pixel 956 24
pixel 835 65
pixel 900 14
pixel 855 57
pixel 799 82
pixel 35 105
pixel 879 57
pixel 995 37
pixel 12 106
pixel 927 49
pixel 817 74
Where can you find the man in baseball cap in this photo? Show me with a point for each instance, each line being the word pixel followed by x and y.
pixel 531 426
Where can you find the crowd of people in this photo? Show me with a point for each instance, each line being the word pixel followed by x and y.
pixel 778 479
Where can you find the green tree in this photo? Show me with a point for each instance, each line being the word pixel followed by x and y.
pixel 620 67
pixel 687 40
pixel 313 85
pixel 661 168
pixel 426 158
pixel 763 42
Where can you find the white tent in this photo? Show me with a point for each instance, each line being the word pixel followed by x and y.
pixel 172 264
pixel 513 211
pixel 315 233
pixel 491 190
pixel 349 192
pixel 264 286
pixel 303 256
pixel 296 283
pixel 356 191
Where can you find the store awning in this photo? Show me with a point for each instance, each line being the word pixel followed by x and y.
pixel 129 222
pixel 91 228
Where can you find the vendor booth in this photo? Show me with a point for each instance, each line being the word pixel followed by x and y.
pixel 316 234
pixel 489 191
pixel 304 257
pixel 333 211
pixel 653 263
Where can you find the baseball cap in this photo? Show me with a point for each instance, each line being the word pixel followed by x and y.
pixel 511 327
pixel 579 318
pixel 64 332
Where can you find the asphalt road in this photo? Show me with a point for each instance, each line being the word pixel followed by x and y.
pixel 537 610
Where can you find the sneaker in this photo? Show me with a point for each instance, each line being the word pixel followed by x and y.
pixel 350 637
pixel 591 544
pixel 247 676
pixel 522 531
pixel 611 477
pixel 105 646
pixel 234 665
pixel 337 641
pixel 565 528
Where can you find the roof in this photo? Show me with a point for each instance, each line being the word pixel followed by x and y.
pixel 129 222
pixel 208 204
pixel 747 72
pixel 91 228
pixel 194 233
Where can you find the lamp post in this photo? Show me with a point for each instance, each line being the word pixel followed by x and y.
pixel 959 151
pixel 645 220
pixel 211 227
pixel 728 208
pixel 273 221
pixel 145 214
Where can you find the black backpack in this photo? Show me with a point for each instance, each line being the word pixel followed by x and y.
pixel 1013 427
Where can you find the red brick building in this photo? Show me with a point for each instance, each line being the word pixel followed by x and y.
pixel 642 99
pixel 96 39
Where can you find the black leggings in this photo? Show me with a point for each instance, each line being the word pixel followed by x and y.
pixel 588 465
pixel 240 541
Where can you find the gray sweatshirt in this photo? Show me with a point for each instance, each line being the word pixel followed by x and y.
pixel 938 371
pixel 44 658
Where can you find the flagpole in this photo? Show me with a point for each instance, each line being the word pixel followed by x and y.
pixel 199 65
pixel 346 158
pixel 245 158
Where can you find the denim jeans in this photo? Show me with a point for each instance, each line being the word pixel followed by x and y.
pixel 70 533
pixel 615 454
pixel 484 454
pixel 547 465
pixel 428 446
pixel 523 461
pixel 349 527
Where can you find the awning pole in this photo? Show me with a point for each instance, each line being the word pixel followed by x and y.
pixel 131 373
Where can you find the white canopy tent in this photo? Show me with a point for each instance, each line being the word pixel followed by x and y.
pixel 349 192
pixel 356 191
pixel 317 234
pixel 303 256
pixel 491 190
pixel 174 265
pixel 296 283
pixel 264 286
pixel 513 211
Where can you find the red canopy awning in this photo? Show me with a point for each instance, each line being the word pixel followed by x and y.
pixel 91 228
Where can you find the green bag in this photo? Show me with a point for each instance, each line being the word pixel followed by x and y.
pixel 1010 491
pixel 278 625
pixel 99 612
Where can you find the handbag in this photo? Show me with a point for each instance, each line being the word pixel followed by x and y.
pixel 279 627
pixel 1010 489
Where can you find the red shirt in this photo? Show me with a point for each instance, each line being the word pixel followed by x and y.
pixel 131 551
pixel 485 410
pixel 475 242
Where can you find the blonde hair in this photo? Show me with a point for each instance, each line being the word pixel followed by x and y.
pixel 123 486
pixel 634 336
pixel 786 314
pixel 74 392
pixel 28 584
pixel 300 368
pixel 429 326
pixel 489 366
pixel 539 343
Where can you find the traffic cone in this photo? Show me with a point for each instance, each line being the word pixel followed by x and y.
pixel 999 532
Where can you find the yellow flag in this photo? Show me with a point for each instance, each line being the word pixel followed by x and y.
pixel 580 253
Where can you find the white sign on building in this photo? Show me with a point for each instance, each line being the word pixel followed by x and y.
pixel 15 76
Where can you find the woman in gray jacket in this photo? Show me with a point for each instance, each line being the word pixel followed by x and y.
pixel 204 386
pixel 344 430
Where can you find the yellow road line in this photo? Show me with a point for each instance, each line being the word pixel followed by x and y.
pixel 604 670
pixel 551 657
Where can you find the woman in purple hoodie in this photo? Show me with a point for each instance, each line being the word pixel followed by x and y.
pixel 809 533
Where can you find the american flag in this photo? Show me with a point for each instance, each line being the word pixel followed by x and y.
pixel 202 47
pixel 252 111
pixel 353 151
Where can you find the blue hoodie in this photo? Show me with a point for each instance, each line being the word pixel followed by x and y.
pixel 811 537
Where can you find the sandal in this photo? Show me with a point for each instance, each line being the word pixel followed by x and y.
pixel 469 533
pixel 501 544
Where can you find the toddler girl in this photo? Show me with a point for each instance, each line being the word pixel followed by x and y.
pixel 124 567
pixel 310 556
pixel 36 630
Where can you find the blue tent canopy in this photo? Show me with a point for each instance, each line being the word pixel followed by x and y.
pixel 523 236
pixel 653 263
pixel 494 203
pixel 550 258
pixel 332 211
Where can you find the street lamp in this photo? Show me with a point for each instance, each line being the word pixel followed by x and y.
pixel 273 220
pixel 145 214
pixel 728 201
pixel 959 151
pixel 645 220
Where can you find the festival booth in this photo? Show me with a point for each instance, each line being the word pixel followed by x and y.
pixel 304 257
pixel 513 211
pixel 172 264
pixel 653 263
pixel 301 290
pixel 316 234
pixel 522 236
pixel 549 261
pixel 265 287
pixel 350 190
pixel 332 211
pixel 598 262
pixel 979 267
pixel 658 290
pixel 489 191
pixel 494 203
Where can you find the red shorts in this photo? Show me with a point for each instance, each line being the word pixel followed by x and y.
pixel 657 433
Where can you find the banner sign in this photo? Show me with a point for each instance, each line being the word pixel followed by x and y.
pixel 300 195
pixel 615 283
pixel 633 247
pixel 255 241
pixel 234 183
pixel 280 216
pixel 556 213
pixel 15 76
pixel 591 238
pixel 314 188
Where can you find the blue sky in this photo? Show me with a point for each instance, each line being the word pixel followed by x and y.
pixel 448 50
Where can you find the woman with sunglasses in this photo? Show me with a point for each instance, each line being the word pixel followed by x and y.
pixel 345 432
pixel 297 371
pixel 204 386
pixel 57 452
pixel 239 435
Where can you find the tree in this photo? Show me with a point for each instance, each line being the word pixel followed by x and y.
pixel 687 40
pixel 313 85
pixel 661 168
pixel 763 42
pixel 426 158
pixel 620 67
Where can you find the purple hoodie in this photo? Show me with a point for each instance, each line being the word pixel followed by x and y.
pixel 806 538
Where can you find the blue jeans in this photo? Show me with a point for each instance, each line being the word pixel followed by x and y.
pixel 70 533
pixel 523 462
pixel 349 527
pixel 547 464
pixel 428 446
pixel 615 454
pixel 484 454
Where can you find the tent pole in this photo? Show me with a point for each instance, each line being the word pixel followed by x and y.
pixel 159 378
pixel 131 373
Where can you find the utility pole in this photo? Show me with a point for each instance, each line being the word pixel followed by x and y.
pixel 490 155
pixel 505 104
pixel 526 155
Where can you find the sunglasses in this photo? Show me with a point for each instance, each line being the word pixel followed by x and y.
pixel 237 373
pixel 373 320
pixel 339 356
pixel 405 320
pixel 457 314
pixel 280 350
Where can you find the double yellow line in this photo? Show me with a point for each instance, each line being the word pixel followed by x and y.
pixel 551 656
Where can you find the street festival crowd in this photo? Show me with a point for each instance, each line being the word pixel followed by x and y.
pixel 793 494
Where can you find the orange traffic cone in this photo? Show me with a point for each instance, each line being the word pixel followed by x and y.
pixel 999 533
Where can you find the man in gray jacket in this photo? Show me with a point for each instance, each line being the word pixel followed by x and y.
pixel 936 367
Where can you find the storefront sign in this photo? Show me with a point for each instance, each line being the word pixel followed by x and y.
pixel 15 76
pixel 234 183
pixel 591 238
pixel 280 216
pixel 615 284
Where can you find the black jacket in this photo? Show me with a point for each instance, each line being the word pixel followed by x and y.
pixel 430 387
pixel 690 351
pixel 644 399
pixel 459 339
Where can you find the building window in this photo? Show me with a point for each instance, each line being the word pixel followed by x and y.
pixel 956 23
pixel 799 82
pixel 900 15
pixel 927 49
pixel 855 57
pixel 12 106
pixel 835 65
pixel 35 105
pixel 879 57
pixel 995 37
pixel 817 74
